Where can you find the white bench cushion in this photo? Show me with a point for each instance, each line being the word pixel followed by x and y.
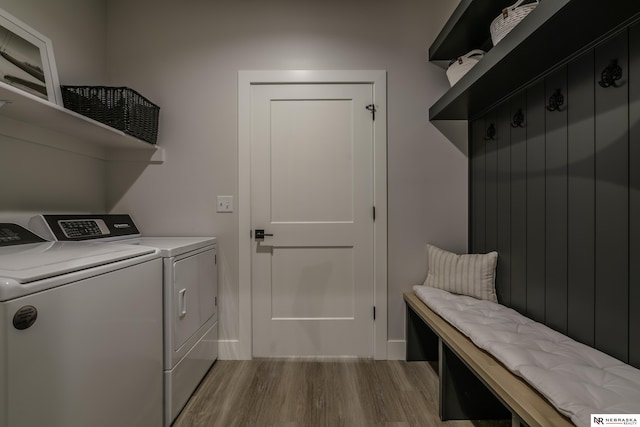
pixel 577 379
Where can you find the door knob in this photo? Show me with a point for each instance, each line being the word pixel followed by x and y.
pixel 260 234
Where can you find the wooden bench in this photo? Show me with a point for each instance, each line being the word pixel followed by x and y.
pixel 473 384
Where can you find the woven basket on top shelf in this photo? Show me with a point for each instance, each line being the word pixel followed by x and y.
pixel 119 107
pixel 461 66
pixel 509 18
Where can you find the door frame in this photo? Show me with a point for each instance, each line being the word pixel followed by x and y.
pixel 242 348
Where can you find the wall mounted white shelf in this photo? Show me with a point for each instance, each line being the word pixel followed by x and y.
pixel 30 118
pixel 551 34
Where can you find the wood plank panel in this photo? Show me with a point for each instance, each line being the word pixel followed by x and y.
pixel 519 207
pixel 581 200
pixel 612 203
pixel 634 196
pixel 567 200
pixel 491 185
pixel 536 202
pixel 556 200
pixel 478 186
pixel 503 272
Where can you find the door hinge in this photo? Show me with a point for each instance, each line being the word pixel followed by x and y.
pixel 372 108
pixel 374 312
pixel 374 213
pixel 215 259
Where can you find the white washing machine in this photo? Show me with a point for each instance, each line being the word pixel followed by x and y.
pixel 190 295
pixel 80 333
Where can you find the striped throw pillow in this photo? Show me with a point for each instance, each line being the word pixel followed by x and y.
pixel 472 275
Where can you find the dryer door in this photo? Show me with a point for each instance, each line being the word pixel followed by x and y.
pixel 194 288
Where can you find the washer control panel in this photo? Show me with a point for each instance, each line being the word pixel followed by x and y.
pixel 75 227
pixel 83 228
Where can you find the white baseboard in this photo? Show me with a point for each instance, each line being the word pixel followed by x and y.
pixel 396 349
pixel 231 350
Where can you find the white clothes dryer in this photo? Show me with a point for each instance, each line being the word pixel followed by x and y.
pixel 190 288
pixel 80 333
pixel 191 315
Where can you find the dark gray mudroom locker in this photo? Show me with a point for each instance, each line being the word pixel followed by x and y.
pixel 555 189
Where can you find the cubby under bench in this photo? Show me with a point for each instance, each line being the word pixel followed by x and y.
pixel 473 384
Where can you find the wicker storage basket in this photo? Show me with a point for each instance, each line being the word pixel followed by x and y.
pixel 509 18
pixel 119 107
pixel 461 66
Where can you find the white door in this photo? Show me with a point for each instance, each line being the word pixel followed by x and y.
pixel 312 189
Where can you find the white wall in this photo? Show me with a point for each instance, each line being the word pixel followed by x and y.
pixel 77 29
pixel 185 56
pixel 36 178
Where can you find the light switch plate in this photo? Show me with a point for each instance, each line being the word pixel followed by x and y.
pixel 224 204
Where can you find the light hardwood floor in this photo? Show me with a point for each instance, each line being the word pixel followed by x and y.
pixel 302 392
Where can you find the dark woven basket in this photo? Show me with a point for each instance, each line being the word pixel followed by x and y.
pixel 118 107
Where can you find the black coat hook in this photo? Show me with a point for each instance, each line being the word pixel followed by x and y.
pixel 611 75
pixel 556 101
pixel 491 133
pixel 518 119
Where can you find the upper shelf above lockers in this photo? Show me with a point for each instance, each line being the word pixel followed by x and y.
pixel 466 29
pixel 550 34
pixel 33 119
